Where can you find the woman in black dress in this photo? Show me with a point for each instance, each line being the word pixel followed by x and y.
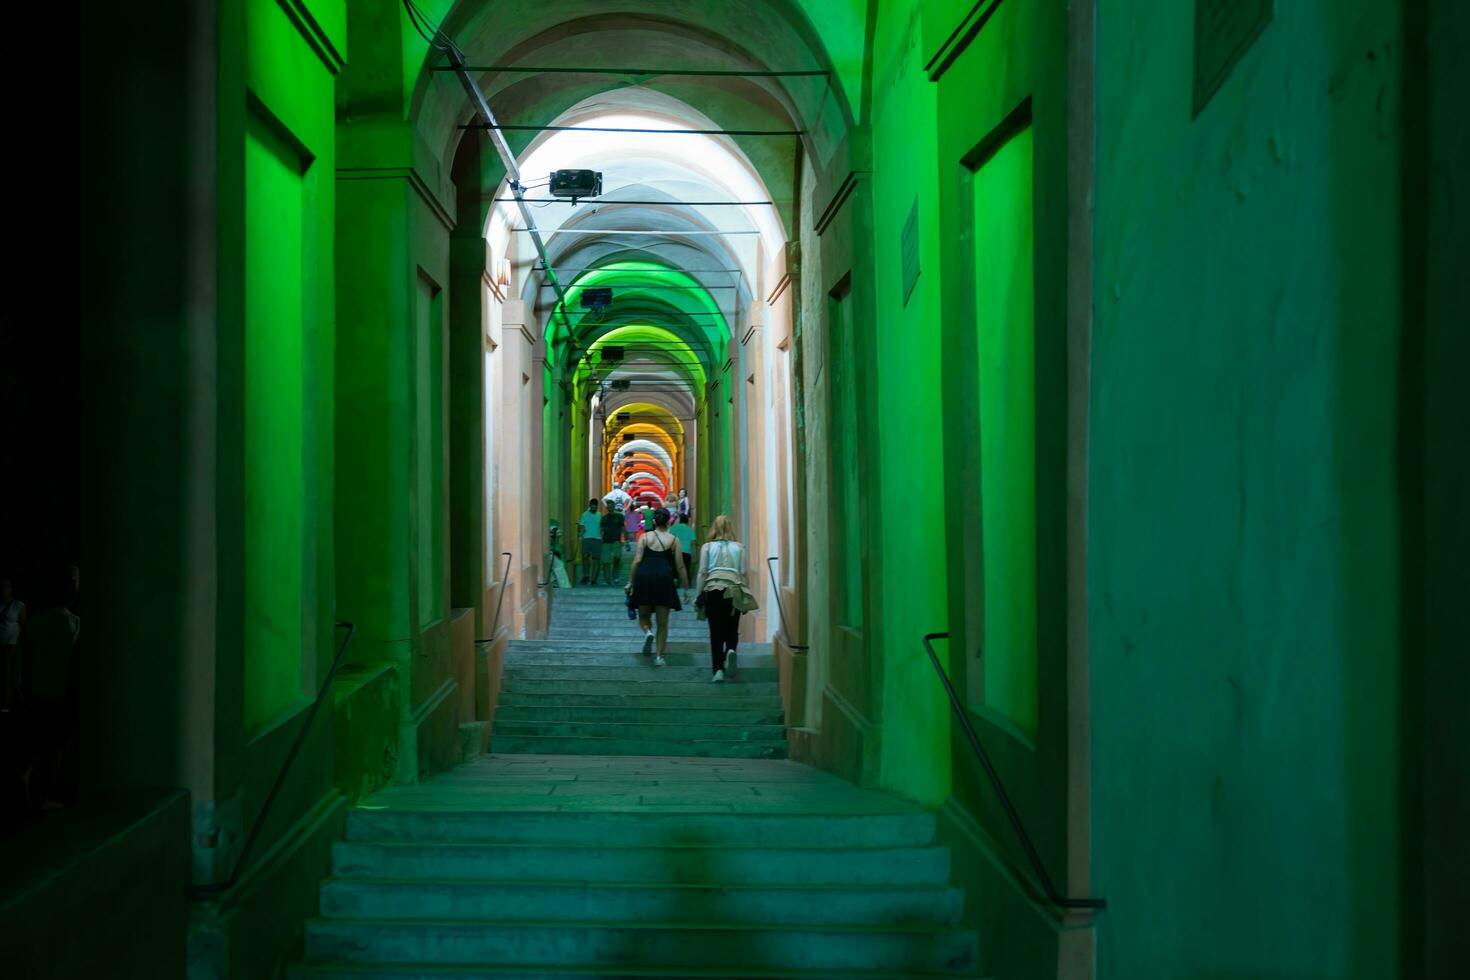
pixel 651 582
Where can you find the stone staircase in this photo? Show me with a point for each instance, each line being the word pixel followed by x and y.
pixel 588 689
pixel 592 612
pixel 547 866
pixel 635 821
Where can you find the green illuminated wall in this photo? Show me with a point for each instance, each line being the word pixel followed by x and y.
pixel 843 349
pixel 430 458
pixel 842 26
pixel 397 211
pixel 1005 322
pixel 274 561
pixel 915 745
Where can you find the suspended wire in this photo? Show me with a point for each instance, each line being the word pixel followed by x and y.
pixel 650 72
pixel 534 128
pixel 660 270
pixel 432 35
pixel 421 23
pixel 604 200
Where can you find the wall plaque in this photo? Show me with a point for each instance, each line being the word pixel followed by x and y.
pixel 910 246
pixel 1224 30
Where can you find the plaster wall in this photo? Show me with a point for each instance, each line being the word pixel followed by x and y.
pixel 809 339
pixel 122 867
pixel 843 28
pixel 1244 532
pixel 1435 860
pixel 915 756
pixel 519 466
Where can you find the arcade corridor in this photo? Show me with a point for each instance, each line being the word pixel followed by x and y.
pixel 1080 378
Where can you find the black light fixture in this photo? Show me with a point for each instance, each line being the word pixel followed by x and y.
pixel 611 353
pixel 597 299
pixel 624 417
pixel 576 183
pixel 619 385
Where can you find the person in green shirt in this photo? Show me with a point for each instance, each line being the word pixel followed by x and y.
pixel 684 531
pixel 614 533
pixel 591 523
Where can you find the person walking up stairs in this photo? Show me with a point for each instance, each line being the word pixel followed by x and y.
pixel 587 689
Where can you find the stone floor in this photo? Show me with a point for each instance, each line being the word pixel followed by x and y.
pixel 640 784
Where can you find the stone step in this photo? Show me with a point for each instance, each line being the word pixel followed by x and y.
pixel 643 829
pixel 641 944
pixel 598 642
pixel 760 712
pixel 618 619
pixel 648 682
pixel 615 672
pixel 479 971
pixel 674 663
pixel 674 729
pixel 694 651
pixel 637 701
pixel 665 864
pixel 619 615
pixel 691 641
pixel 604 606
pixel 632 903
pixel 594 745
pixel 676 654
pixel 624 639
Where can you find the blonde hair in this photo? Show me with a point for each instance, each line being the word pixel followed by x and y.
pixel 723 529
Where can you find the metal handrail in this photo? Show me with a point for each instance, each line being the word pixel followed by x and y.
pixel 780 604
pixel 504 578
pixel 270 798
pixel 1052 895
pixel 550 576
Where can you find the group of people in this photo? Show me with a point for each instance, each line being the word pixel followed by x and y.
pixel 39 648
pixel 610 527
pixel 661 569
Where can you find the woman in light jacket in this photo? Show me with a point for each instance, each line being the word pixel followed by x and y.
pixel 720 585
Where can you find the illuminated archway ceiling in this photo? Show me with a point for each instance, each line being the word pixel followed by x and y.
pixel 641 415
pixel 687 224
pixel 697 215
pixel 643 437
pixel 623 467
pixel 647 478
pixel 677 298
pixel 729 35
pixel 643 447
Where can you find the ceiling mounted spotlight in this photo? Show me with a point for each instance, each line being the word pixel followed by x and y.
pixel 576 183
pixel 597 299
pixel 624 417
pixel 619 385
pixel 611 353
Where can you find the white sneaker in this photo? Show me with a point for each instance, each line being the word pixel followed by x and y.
pixel 647 644
pixel 719 677
pixel 658 661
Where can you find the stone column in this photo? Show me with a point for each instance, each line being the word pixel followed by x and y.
pixel 520 461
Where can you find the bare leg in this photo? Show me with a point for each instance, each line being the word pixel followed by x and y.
pixel 645 616
pixel 662 613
